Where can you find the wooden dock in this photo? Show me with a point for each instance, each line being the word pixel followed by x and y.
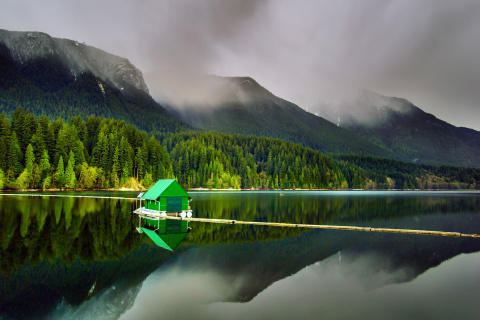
pixel 329 227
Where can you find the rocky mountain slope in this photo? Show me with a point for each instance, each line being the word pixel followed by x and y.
pixel 37 51
pixel 407 131
pixel 60 77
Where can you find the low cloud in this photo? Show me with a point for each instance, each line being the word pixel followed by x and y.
pixel 314 51
pixel 304 51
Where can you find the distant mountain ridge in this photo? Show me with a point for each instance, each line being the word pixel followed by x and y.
pixel 60 77
pixel 239 105
pixel 411 134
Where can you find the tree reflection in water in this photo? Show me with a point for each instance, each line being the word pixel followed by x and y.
pixel 71 249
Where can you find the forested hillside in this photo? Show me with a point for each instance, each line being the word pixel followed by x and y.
pixel 46 88
pixel 98 153
pixel 105 153
pixel 216 160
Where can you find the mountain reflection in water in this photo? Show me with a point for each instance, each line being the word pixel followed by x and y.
pixel 79 258
pixel 343 290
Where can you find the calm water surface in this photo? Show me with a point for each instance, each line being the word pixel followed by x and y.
pixel 81 258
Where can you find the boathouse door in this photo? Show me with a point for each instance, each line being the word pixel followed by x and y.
pixel 174 204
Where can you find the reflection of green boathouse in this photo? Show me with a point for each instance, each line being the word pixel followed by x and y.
pixel 165 198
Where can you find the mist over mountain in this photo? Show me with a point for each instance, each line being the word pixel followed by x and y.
pixel 240 105
pixel 60 77
pixel 390 127
pixel 406 130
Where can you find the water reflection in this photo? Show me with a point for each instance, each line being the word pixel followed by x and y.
pixel 330 207
pixel 38 229
pixel 65 257
pixel 316 290
pixel 334 289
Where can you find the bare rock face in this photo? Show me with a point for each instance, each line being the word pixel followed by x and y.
pixel 73 58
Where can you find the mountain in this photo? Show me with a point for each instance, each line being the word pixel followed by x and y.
pixel 61 77
pixel 239 105
pixel 411 134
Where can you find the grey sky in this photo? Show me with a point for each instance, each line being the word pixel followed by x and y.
pixel 426 51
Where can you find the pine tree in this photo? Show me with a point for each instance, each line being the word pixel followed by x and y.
pixel 79 152
pixel 25 178
pixel 38 142
pixel 14 155
pixel 5 135
pixel 17 123
pixel 29 128
pixel 29 159
pixel 104 152
pixel 70 179
pixel 44 165
pixel 115 168
pixel 139 164
pixel 50 139
pixel 61 144
pixel 2 179
pixel 60 174
pixel 44 123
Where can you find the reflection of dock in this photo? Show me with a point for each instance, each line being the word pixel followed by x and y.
pixel 328 227
pixel 165 199
pixel 165 233
pixel 162 214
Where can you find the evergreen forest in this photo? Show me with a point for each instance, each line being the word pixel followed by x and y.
pixel 100 153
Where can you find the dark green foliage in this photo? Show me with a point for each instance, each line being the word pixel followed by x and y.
pixel 99 153
pixel 216 160
pixel 103 153
pixel 48 73
pixel 374 173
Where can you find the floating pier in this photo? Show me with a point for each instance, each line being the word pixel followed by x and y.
pixel 329 227
pixel 155 214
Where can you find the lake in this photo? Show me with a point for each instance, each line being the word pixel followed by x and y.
pixel 82 258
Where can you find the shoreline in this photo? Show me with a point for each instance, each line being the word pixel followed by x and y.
pixel 223 190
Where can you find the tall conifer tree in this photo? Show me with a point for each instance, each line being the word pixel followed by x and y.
pixel 70 179
pixel 60 173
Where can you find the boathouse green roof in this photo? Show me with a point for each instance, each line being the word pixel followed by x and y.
pixel 165 188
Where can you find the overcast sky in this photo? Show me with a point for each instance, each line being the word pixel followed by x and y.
pixel 425 51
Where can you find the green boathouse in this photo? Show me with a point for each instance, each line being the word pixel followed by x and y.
pixel 166 196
